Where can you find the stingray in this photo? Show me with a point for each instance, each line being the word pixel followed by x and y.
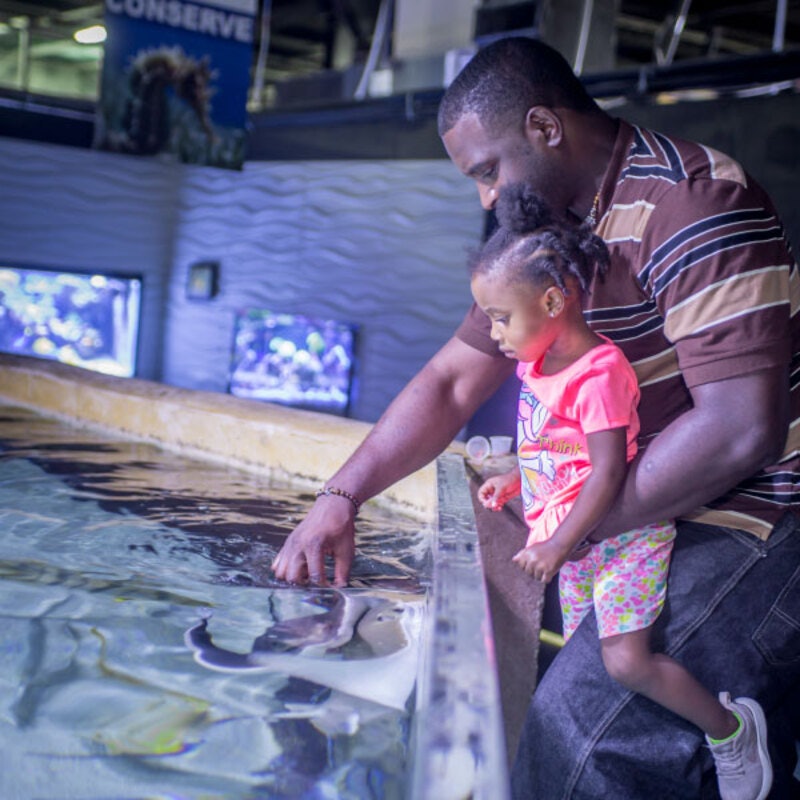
pixel 319 633
pixel 365 647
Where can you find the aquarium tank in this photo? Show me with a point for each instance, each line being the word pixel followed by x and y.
pixel 293 360
pixel 87 319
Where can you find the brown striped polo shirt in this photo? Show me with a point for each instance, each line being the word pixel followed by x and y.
pixel 702 287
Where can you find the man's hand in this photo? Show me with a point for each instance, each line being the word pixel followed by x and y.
pixel 542 560
pixel 327 530
pixel 419 423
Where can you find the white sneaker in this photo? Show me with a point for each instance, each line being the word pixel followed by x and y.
pixel 744 770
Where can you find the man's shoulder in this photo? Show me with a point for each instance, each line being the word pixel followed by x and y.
pixel 667 184
pixel 656 161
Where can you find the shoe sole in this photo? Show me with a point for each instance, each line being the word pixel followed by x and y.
pixel 761 741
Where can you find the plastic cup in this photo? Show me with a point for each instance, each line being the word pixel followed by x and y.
pixel 478 448
pixel 500 445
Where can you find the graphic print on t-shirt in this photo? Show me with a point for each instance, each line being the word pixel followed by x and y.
pixel 545 461
pixel 533 461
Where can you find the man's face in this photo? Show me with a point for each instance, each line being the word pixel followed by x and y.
pixel 515 155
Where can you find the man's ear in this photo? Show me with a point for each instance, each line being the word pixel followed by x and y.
pixel 543 121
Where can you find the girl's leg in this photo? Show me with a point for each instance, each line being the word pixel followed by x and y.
pixel 629 660
pixel 575 584
pixel 629 594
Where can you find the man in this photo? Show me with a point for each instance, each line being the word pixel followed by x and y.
pixel 698 297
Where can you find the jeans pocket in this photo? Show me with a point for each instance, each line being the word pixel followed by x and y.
pixel 778 635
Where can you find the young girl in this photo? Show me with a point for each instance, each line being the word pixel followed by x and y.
pixel 577 428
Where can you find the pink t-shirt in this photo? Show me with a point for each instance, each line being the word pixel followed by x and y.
pixel 597 392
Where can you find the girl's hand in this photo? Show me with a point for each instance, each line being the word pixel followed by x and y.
pixel 541 560
pixel 495 492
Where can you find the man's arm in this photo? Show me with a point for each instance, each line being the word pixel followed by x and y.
pixel 418 425
pixel 737 427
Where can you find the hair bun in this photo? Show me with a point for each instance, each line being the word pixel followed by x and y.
pixel 521 210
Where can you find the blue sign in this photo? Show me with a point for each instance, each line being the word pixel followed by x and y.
pixel 175 79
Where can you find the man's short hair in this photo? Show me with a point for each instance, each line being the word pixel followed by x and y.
pixel 506 78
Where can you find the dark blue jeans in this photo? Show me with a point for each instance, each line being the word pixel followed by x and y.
pixel 732 617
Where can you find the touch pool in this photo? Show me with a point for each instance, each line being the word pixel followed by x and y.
pixel 147 652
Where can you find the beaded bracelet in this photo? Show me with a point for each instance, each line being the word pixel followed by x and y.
pixel 328 490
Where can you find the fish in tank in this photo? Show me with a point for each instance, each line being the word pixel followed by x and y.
pixel 88 320
pixel 293 360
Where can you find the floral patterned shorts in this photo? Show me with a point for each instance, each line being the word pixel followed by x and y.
pixel 623 577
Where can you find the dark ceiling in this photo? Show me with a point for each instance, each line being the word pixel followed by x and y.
pixel 302 33
pixel 712 28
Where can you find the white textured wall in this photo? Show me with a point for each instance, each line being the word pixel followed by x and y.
pixel 381 244
pixel 377 243
pixel 70 208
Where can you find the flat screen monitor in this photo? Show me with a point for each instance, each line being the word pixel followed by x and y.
pixel 87 319
pixel 293 360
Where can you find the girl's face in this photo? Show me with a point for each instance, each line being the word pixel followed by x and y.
pixel 525 318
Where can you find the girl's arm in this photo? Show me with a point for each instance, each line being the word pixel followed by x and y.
pixel 734 428
pixel 607 452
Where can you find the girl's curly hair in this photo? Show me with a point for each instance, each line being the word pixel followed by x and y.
pixel 531 244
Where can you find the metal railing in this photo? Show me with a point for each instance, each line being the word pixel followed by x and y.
pixel 458 747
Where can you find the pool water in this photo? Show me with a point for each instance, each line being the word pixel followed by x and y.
pixel 147 652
